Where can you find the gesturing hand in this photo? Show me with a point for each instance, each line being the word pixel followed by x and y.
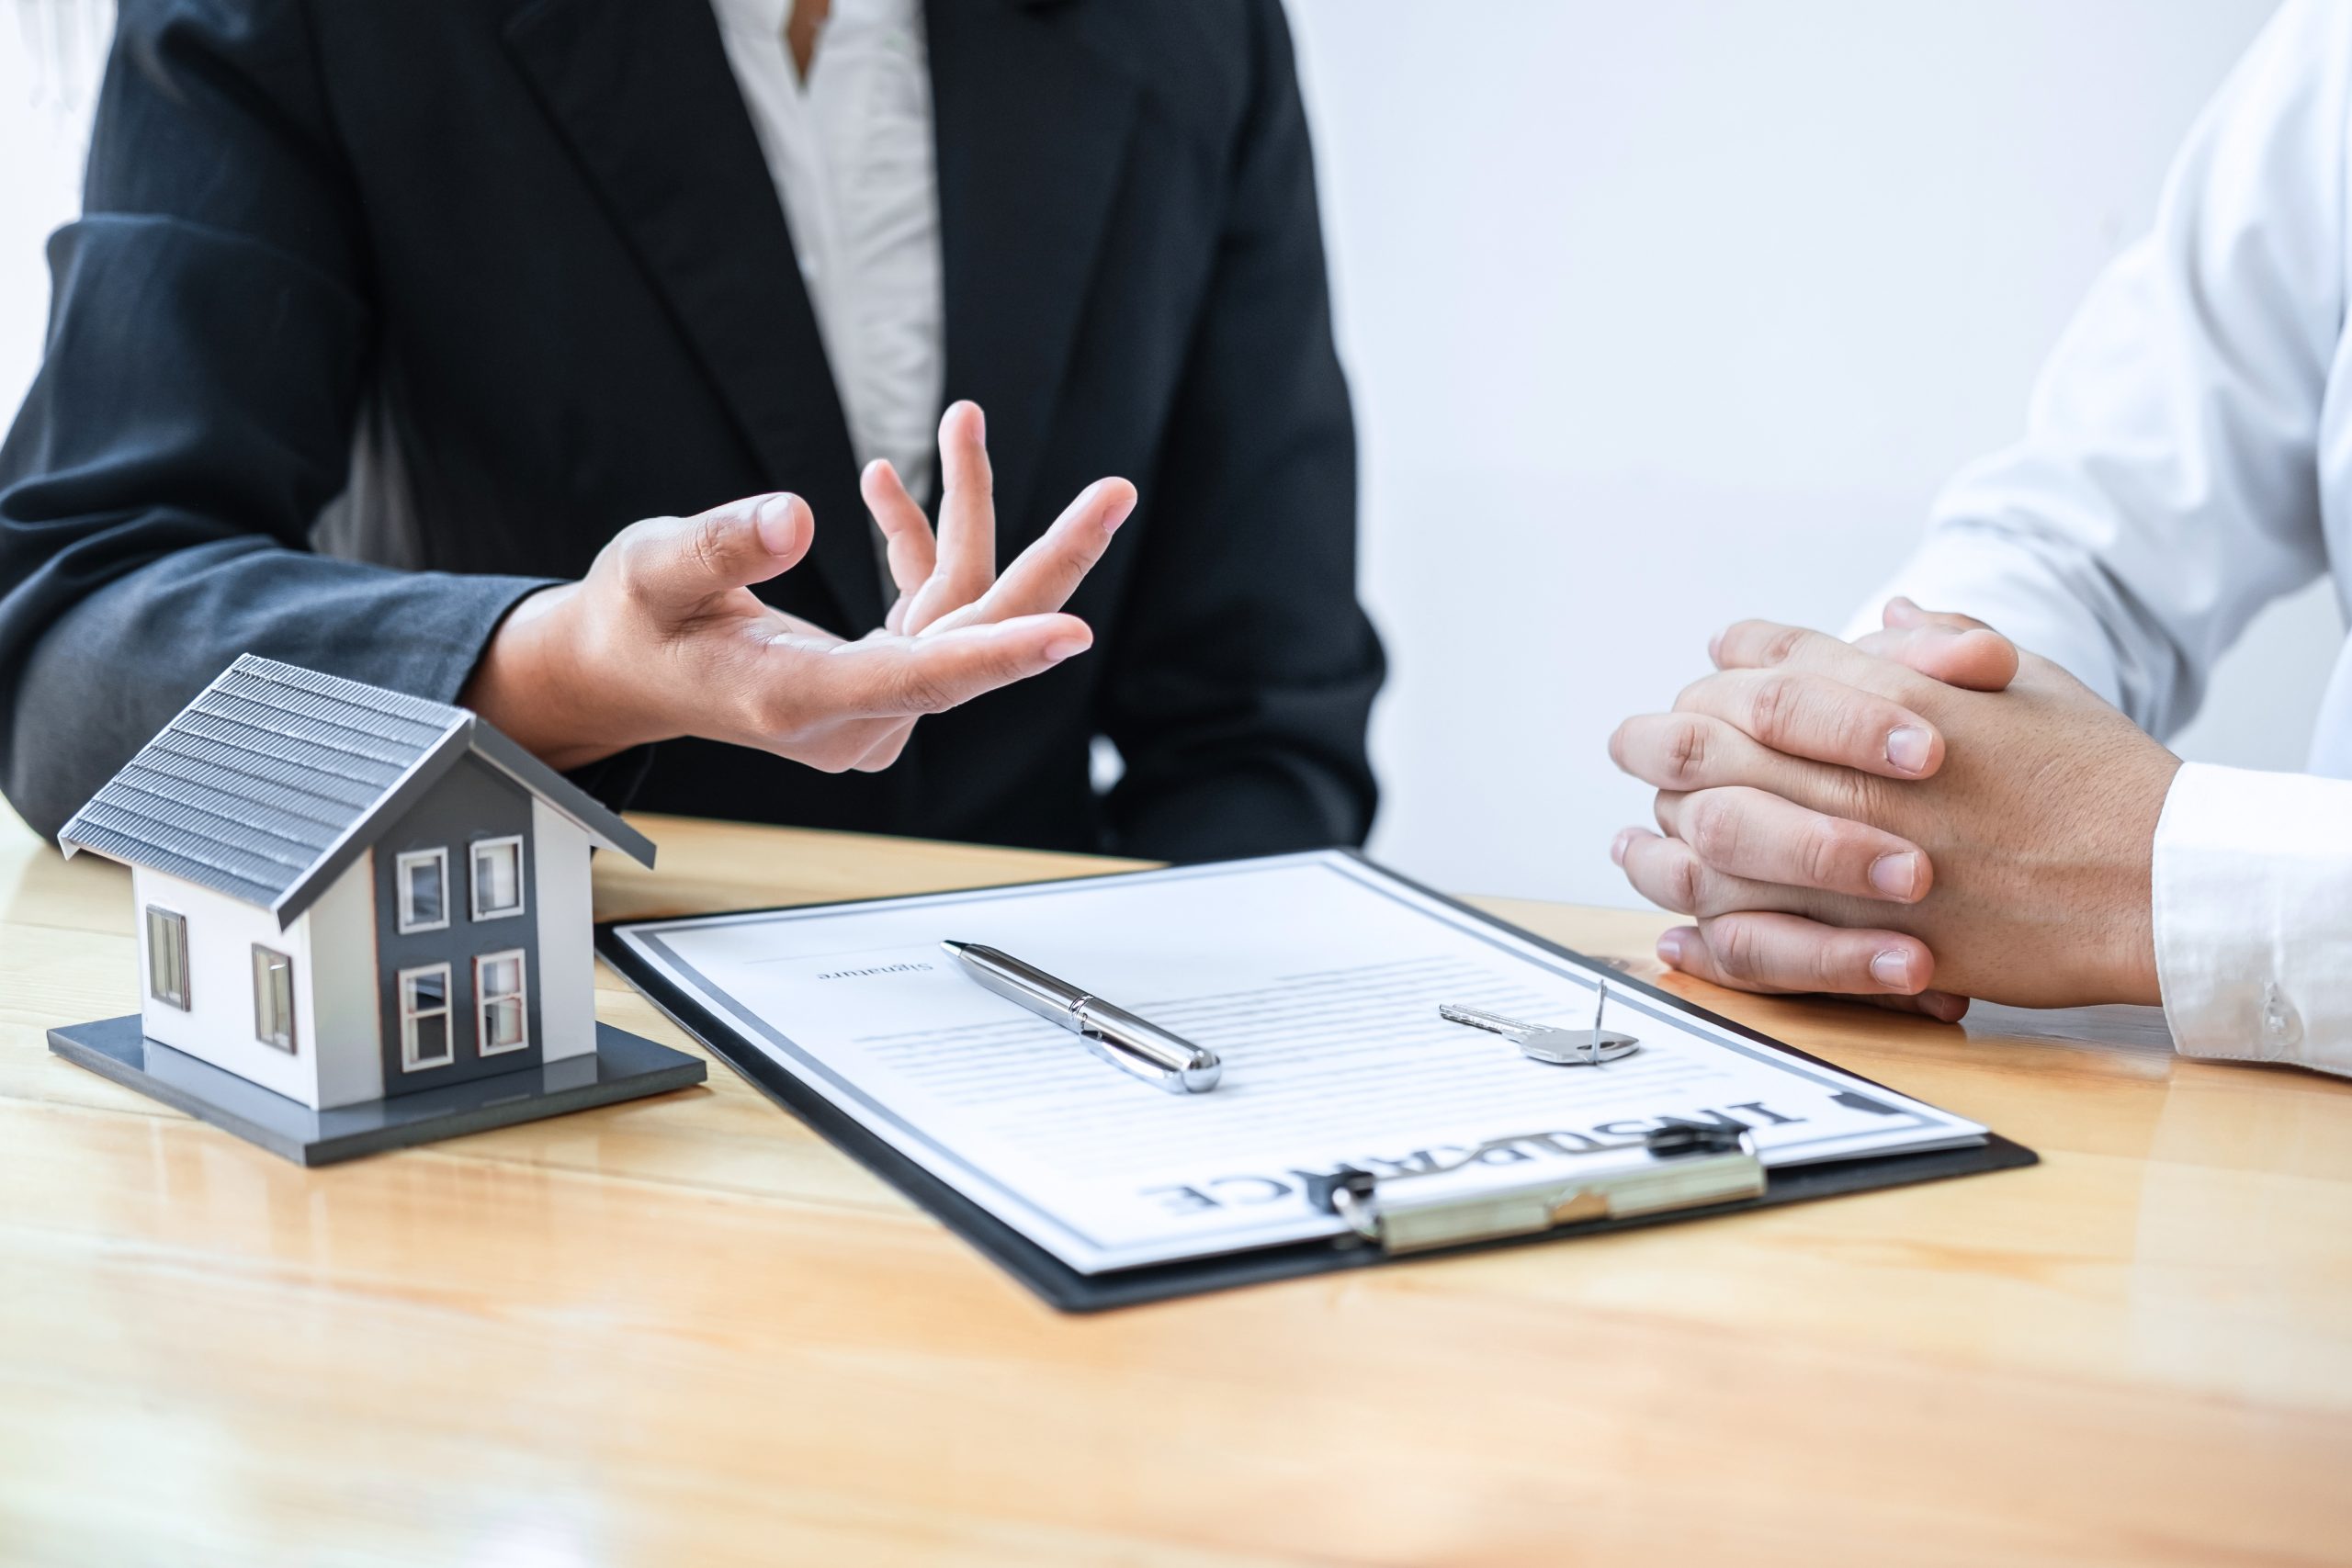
pixel 664 638
pixel 1858 820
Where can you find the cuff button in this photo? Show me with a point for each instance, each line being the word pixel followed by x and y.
pixel 2282 1024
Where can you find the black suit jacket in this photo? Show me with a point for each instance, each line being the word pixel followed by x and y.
pixel 380 315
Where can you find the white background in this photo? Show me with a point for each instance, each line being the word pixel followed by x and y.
pixel 1657 315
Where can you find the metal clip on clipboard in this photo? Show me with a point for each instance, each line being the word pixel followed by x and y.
pixel 1680 1166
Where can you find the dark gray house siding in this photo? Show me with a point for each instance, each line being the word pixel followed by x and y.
pixel 471 802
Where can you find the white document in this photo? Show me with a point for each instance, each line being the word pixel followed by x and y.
pixel 1317 978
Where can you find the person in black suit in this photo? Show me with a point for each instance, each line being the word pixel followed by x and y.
pixel 383 320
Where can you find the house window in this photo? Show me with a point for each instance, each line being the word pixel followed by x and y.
pixel 498 878
pixel 498 1002
pixel 424 1018
pixel 423 878
pixel 273 999
pixel 167 957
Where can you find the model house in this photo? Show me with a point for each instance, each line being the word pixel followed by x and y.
pixel 346 894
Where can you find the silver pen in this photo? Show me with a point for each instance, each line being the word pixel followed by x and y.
pixel 1116 1035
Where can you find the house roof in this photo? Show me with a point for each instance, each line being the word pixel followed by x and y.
pixel 275 778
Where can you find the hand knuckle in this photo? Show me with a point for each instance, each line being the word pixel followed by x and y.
pixel 1822 854
pixel 706 543
pixel 775 716
pixel 1860 731
pixel 1688 743
pixel 1733 944
pixel 1835 969
pixel 922 690
pixel 1686 882
pixel 1712 828
pixel 1782 645
pixel 635 552
pixel 1771 703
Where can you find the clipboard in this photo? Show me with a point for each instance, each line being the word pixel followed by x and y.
pixel 1069 1290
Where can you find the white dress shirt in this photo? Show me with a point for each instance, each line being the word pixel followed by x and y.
pixel 852 154
pixel 2188 459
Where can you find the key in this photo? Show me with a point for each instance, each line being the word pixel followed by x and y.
pixel 1544 1042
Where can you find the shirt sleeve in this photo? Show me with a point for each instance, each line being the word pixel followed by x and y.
pixel 2253 886
pixel 2166 488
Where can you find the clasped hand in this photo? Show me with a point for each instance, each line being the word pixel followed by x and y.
pixel 664 637
pixel 1923 817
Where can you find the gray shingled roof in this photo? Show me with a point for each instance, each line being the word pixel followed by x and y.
pixel 268 784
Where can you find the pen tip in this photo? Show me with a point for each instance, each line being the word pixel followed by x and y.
pixel 954 947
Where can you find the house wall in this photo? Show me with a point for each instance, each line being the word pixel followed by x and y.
pixel 472 801
pixel 567 937
pixel 340 932
pixel 217 1026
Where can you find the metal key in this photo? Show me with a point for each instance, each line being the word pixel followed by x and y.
pixel 1544 1042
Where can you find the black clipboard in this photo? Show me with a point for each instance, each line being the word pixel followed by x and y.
pixel 1067 1289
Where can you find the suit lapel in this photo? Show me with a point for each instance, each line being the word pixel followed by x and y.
pixel 642 90
pixel 1031 133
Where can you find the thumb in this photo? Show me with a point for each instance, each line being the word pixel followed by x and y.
pixel 1959 650
pixel 679 561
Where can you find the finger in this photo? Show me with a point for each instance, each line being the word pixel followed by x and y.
pixel 1942 1006
pixel 676 562
pixel 1766 645
pixel 1781 953
pixel 905 677
pixel 1665 870
pixel 1959 650
pixel 905 530
pixel 966 508
pixel 1695 751
pixel 886 750
pixel 1819 717
pixel 1755 834
pixel 1043 577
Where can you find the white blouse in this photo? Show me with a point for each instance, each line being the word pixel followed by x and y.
pixel 851 151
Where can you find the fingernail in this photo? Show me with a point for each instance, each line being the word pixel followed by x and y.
pixel 1066 647
pixel 774 520
pixel 1896 875
pixel 1892 969
pixel 1617 846
pixel 1669 948
pixel 1907 748
pixel 1715 649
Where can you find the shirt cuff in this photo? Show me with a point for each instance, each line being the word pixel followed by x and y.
pixel 2253 890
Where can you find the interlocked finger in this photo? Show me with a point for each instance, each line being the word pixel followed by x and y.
pixel 1755 834
pixel 1767 645
pixel 1774 951
pixel 1665 872
pixel 1821 718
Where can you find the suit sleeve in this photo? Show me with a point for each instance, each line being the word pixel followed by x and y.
pixel 1246 668
pixel 209 340
pixel 2167 486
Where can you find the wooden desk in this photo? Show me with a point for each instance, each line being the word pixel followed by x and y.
pixel 685 1331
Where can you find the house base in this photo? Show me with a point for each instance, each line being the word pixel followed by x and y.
pixel 623 1066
